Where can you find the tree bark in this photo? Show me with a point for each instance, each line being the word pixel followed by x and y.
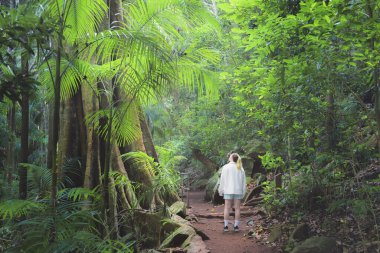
pixel 10 152
pixel 65 134
pixel 55 129
pixel 49 158
pixel 197 154
pixel 148 140
pixel 140 174
pixel 23 186
pixel 23 182
pixel 92 166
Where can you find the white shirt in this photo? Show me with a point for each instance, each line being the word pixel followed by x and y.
pixel 232 180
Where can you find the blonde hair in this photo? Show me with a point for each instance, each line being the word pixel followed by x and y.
pixel 237 159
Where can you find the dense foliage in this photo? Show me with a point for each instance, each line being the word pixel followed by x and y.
pixel 87 86
pixel 299 89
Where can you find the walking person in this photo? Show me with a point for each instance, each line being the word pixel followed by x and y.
pixel 232 187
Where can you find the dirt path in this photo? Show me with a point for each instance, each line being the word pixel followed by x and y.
pixel 210 222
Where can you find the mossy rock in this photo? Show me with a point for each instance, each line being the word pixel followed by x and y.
pixel 184 237
pixel 153 227
pixel 179 238
pixel 178 208
pixel 149 225
pixel 317 244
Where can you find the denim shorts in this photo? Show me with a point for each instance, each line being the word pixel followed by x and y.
pixel 233 196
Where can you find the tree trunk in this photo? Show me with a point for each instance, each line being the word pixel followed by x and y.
pixel 72 141
pixel 128 197
pixel 55 129
pixel 92 166
pixel 49 158
pixel 10 153
pixel 140 174
pixel 197 154
pixel 23 187
pixel 148 140
pixel 23 182
pixel 65 134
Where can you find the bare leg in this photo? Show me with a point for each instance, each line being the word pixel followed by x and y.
pixel 227 207
pixel 237 209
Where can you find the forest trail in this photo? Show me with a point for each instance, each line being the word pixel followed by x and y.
pixel 210 223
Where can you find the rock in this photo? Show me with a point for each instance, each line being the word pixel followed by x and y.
pixel 202 235
pixel 179 238
pixel 178 208
pixel 184 237
pixel 149 224
pixel 300 233
pixel 191 218
pixel 152 227
pixel 197 245
pixel 317 245
pixel 275 233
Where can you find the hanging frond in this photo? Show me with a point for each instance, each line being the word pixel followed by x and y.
pixel 199 79
pixel 74 73
pixel 147 45
pixel 79 17
pixel 168 16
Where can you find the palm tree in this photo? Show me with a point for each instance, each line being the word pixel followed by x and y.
pixel 105 71
pixel 117 70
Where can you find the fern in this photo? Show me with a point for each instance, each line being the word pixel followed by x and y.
pixel 16 208
pixel 79 194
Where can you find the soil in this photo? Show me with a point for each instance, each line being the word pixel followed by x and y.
pixel 209 225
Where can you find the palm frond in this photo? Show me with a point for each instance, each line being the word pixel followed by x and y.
pixel 125 127
pixel 140 159
pixel 75 73
pixel 80 17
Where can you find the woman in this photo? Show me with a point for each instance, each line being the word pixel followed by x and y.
pixel 232 187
